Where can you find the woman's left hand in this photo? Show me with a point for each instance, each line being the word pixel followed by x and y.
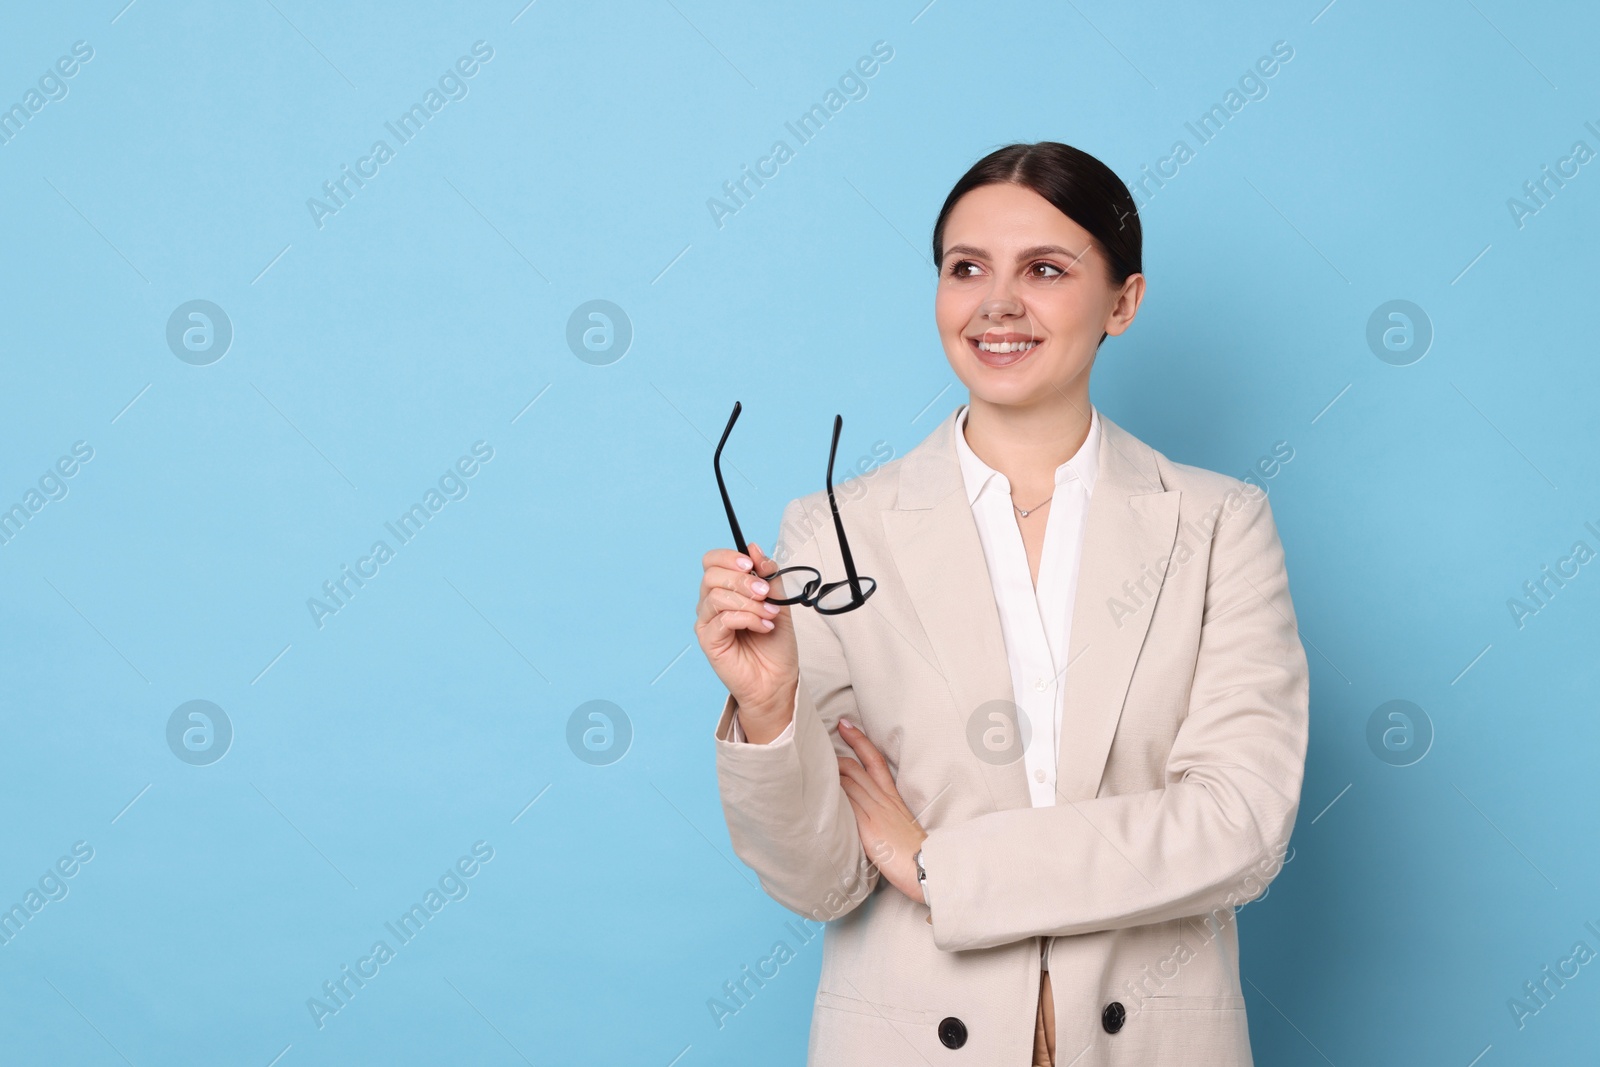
pixel 890 834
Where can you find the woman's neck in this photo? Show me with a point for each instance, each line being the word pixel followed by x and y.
pixel 1027 444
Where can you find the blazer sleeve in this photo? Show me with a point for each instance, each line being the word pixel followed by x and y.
pixel 1211 838
pixel 788 818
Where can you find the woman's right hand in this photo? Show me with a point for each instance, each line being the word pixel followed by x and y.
pixel 749 642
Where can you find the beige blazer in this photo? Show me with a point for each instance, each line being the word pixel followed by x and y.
pixel 1181 753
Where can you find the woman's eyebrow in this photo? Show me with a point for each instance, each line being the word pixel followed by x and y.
pixel 1026 253
pixel 1051 250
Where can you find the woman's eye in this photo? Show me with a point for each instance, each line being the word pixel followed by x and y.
pixel 959 268
pixel 1050 269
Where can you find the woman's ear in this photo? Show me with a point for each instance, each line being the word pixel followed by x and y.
pixel 1126 306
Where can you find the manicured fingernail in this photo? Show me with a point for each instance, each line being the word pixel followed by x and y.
pixel 847 724
pixel 766 624
pixel 770 609
pixel 759 587
pixel 744 563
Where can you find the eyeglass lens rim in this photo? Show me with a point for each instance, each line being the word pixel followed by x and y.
pixel 813 588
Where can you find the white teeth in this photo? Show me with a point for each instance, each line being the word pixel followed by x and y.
pixel 1010 346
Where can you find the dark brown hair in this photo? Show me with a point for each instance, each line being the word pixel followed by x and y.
pixel 1081 187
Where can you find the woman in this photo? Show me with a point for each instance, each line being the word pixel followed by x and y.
pixel 1028 781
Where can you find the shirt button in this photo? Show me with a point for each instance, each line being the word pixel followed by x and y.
pixel 1038 776
pixel 1039 684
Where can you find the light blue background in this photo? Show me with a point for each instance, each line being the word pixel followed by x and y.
pixel 432 309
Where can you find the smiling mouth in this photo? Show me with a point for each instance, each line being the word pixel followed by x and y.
pixel 1003 351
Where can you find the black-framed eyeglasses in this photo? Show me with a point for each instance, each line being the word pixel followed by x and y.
pixel 831 598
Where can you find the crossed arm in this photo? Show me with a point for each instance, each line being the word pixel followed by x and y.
pixel 1224 812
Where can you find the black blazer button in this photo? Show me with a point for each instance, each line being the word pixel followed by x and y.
pixel 952 1032
pixel 1113 1017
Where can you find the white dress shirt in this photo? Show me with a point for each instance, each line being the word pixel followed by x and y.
pixel 1035 620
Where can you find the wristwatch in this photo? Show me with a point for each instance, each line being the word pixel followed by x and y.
pixel 922 875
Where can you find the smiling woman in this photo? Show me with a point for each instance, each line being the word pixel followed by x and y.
pixel 1023 764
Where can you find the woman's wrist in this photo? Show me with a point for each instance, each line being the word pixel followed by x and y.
pixel 761 722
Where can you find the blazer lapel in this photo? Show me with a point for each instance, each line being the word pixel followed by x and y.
pixel 934 541
pixel 1130 529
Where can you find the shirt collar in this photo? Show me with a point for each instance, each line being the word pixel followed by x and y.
pixel 1084 464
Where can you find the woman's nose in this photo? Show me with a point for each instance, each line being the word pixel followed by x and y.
pixel 1000 303
pixel 1001 300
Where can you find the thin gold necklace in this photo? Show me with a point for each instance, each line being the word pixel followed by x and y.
pixel 1025 512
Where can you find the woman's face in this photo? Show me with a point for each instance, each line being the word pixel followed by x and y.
pixel 1020 277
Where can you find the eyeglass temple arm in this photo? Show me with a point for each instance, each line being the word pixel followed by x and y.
pixel 739 543
pixel 838 523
